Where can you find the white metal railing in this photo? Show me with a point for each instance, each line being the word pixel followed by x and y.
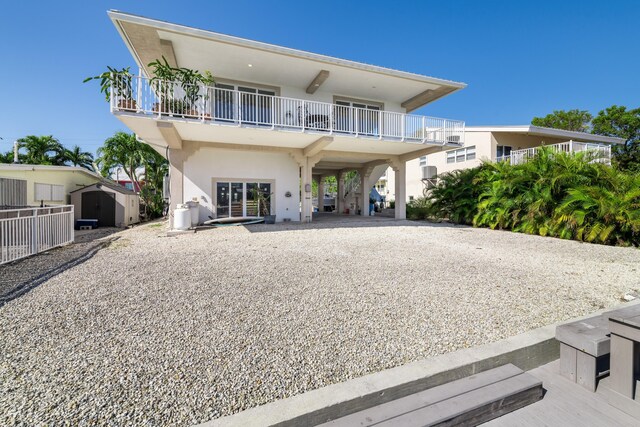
pixel 28 231
pixel 141 95
pixel 601 153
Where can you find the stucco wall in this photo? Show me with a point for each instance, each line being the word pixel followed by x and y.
pixel 71 180
pixel 205 164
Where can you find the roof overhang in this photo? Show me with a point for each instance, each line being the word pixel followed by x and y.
pixel 548 132
pixel 229 57
pixel 27 167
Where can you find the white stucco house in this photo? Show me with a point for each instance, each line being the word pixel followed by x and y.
pixel 276 119
pixel 493 143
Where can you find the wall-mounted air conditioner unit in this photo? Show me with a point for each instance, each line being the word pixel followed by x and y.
pixel 429 172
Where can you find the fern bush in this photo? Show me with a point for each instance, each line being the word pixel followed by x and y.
pixel 554 194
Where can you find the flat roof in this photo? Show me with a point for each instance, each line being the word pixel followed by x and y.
pixel 543 131
pixel 27 167
pixel 140 40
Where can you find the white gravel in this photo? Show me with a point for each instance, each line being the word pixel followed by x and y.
pixel 159 330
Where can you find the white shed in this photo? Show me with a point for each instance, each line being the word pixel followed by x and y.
pixel 111 204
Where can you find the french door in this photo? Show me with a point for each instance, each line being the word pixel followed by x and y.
pixel 238 199
pixel 357 117
pixel 245 104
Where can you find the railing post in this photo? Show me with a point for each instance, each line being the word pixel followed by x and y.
pixel 402 126
pixel 379 127
pixel 424 129
pixel 139 93
pixel 357 125
pixel 35 238
pixel 239 106
pixel 303 114
pixel 111 93
pixel 202 101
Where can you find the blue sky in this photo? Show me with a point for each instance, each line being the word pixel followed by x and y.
pixel 520 59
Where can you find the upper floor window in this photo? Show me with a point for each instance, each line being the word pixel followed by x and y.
pixel 423 161
pixel 461 154
pixel 503 151
pixel 357 116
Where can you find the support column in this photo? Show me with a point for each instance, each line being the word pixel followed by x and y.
pixel 321 194
pixel 306 213
pixel 400 169
pixel 340 195
pixel 363 201
pixel 176 187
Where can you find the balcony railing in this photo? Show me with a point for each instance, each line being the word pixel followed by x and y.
pixel 166 99
pixel 600 153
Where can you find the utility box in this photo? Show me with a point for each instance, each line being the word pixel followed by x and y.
pixel 429 172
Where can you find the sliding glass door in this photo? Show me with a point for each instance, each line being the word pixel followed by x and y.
pixel 240 199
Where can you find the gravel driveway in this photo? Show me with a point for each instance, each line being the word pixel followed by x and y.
pixel 159 330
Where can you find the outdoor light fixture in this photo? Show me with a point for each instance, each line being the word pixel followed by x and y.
pixel 307 188
pixel 250 65
pixel 287 194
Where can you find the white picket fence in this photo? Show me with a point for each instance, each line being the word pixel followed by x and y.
pixel 28 231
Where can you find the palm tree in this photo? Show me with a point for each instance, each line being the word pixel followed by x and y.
pixel 42 150
pixel 77 157
pixel 121 150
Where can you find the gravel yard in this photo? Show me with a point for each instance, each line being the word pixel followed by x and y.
pixel 160 330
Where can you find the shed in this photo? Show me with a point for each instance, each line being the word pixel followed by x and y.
pixel 111 204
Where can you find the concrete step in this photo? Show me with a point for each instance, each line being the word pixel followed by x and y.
pixel 468 401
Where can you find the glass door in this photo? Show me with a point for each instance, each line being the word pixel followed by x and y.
pixel 239 199
pixel 357 117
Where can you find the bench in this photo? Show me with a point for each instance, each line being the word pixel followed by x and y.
pixel 585 346
pixel 468 401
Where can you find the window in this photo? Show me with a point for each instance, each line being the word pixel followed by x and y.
pixel 503 151
pixel 461 154
pixel 49 192
pixel 423 161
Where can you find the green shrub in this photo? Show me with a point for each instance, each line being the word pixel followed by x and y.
pixel 553 194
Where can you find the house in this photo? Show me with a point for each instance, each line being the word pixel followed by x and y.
pixel 49 185
pixel 493 143
pixel 110 203
pixel 275 120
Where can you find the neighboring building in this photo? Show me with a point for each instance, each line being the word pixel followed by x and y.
pixel 49 185
pixel 276 119
pixel 111 204
pixel 495 143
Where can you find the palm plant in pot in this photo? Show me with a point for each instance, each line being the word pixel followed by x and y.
pixel 263 199
pixel 118 83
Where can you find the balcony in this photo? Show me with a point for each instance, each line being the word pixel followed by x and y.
pixel 159 99
pixel 600 153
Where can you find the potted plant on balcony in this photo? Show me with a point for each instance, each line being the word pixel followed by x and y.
pixel 167 80
pixel 162 82
pixel 118 82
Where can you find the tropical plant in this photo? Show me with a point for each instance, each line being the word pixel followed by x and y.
pixel 119 80
pixel 41 150
pixel 77 157
pixel 121 150
pixel 570 196
pixel 263 200
pixel 455 196
pixel 166 76
pixel 6 157
pixel 125 151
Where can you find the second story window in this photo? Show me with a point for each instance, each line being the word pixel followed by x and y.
pixel 461 155
pixel 503 151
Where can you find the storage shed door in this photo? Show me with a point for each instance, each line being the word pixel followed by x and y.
pixel 99 205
